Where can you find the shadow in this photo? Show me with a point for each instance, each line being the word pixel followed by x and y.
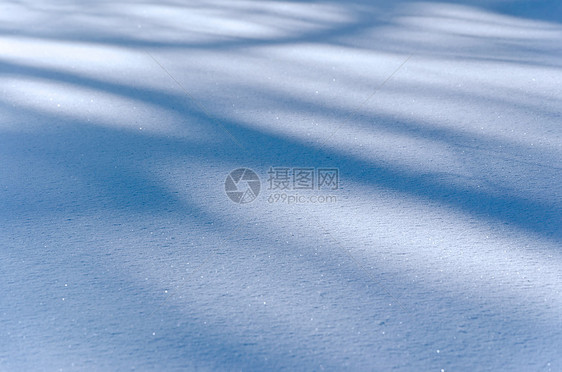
pixel 497 205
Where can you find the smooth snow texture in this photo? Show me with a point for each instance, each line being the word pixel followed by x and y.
pixel 120 121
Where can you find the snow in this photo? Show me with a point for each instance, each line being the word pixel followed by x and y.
pixel 120 121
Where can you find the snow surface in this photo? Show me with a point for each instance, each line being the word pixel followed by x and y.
pixel 120 120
